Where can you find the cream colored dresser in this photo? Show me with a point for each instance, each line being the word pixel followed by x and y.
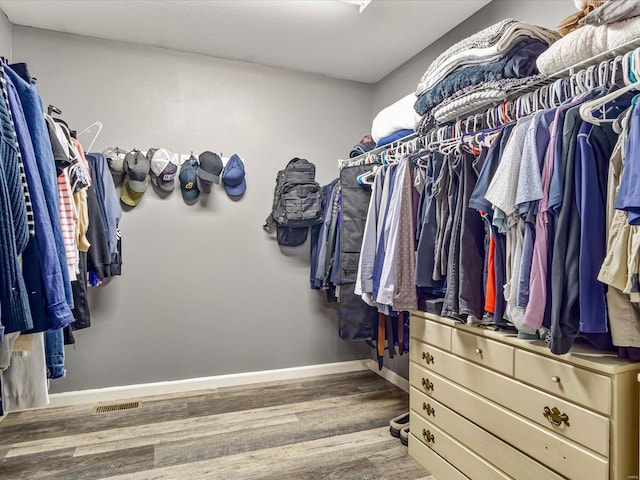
pixel 486 405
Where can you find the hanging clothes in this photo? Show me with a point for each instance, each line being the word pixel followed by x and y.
pixel 356 318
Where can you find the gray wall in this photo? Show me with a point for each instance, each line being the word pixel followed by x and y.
pixel 204 290
pixel 546 13
pixel 6 36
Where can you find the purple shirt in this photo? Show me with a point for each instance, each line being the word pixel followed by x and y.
pixel 540 131
pixel 534 314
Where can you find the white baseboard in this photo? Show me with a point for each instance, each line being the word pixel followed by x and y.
pixel 203 383
pixel 391 376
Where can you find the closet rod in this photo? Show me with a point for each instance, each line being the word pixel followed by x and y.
pixel 508 111
pixel 362 156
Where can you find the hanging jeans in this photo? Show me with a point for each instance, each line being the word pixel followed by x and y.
pixel 54 348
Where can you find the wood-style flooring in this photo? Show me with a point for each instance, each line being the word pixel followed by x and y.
pixel 333 427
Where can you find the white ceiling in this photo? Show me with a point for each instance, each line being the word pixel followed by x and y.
pixel 327 37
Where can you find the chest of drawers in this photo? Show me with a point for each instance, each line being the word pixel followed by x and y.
pixel 487 405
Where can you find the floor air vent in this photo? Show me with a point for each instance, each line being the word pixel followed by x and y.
pixel 116 407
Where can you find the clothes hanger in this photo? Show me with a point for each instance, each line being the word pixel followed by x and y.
pixel 367 178
pixel 587 108
pixel 616 66
pixel 87 130
pixel 627 74
pixel 603 74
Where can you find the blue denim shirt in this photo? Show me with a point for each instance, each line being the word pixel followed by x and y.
pixel 58 313
pixel 34 115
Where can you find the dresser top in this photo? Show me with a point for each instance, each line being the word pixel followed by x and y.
pixel 582 355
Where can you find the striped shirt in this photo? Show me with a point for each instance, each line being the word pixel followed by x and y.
pixel 68 214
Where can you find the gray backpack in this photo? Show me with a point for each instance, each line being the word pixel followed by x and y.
pixel 297 203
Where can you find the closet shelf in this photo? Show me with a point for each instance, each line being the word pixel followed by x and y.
pixel 584 65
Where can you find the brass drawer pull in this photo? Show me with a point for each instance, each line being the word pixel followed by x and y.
pixel 478 351
pixel 555 379
pixel 427 357
pixel 429 409
pixel 428 436
pixel 426 384
pixel 555 417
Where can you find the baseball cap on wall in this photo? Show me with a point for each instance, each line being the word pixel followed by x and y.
pixel 115 160
pixel 209 171
pixel 136 167
pixel 163 169
pixel 189 180
pixel 233 176
pixel 128 196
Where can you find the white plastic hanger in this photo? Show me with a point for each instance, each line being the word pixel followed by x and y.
pixel 87 130
pixel 587 108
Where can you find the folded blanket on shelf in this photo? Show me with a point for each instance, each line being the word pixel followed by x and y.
pixel 587 42
pixel 397 116
pixel 518 62
pixel 467 103
pixel 483 47
pixel 394 136
pixel 471 99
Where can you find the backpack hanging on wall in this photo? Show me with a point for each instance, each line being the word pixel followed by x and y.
pixel 297 203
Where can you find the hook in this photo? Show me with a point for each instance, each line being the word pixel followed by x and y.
pixel 53 109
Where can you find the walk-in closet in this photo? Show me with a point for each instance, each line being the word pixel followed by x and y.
pixel 319 239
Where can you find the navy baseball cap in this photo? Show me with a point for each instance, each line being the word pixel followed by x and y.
pixel 189 180
pixel 233 176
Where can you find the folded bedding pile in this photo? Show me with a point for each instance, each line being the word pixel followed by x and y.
pixel 609 26
pixel 480 70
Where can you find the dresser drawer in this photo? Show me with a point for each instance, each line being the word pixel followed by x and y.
pixel 431 332
pixel 511 461
pixel 557 453
pixel 451 450
pixel 491 354
pixel 433 462
pixel 573 383
pixel 579 424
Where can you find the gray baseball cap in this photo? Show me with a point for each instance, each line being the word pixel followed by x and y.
pixel 137 167
pixel 209 170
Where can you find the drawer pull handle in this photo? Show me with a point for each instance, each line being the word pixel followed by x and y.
pixel 428 436
pixel 555 379
pixel 555 417
pixel 427 384
pixel 429 409
pixel 478 351
pixel 427 357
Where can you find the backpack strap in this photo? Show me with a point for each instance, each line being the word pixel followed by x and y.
pixel 269 223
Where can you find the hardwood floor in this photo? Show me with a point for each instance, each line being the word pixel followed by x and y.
pixel 334 427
